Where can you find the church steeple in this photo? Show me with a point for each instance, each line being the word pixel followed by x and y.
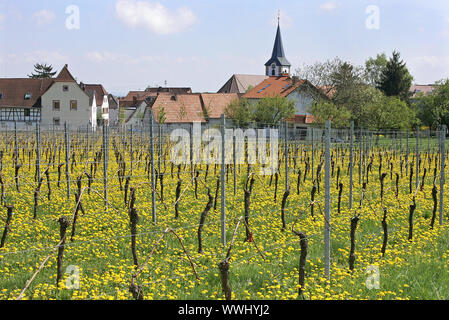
pixel 278 63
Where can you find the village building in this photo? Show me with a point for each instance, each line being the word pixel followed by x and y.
pixel 241 83
pixel 104 106
pixel 51 102
pixel 280 83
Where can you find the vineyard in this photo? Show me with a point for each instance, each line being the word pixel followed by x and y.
pixel 107 215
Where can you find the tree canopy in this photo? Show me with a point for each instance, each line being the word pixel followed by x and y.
pixel 395 79
pixel 433 108
pixel 42 71
pixel 269 111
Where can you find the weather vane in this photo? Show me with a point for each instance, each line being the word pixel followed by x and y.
pixel 279 16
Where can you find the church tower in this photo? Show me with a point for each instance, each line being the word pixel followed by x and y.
pixel 278 63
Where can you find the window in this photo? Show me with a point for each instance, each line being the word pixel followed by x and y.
pixel 56 122
pixel 65 88
pixel 27 96
pixel 27 112
pixel 56 105
pixel 1 95
pixel 73 105
pixel 263 88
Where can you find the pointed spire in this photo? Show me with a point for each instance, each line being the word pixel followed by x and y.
pixel 278 55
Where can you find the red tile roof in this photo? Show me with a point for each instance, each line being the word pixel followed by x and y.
pixel 139 95
pixel 305 119
pixel 183 108
pixel 65 75
pixel 13 91
pixel 274 86
pixel 99 90
pixel 216 103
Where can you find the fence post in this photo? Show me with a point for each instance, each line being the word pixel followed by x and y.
pixel 153 181
pixel 417 157
pixel 234 160
pixel 105 164
pixel 159 164
pixel 327 205
pixel 286 155
pixel 313 155
pixel 407 155
pixel 351 164
pixel 360 156
pixel 38 152
pixel 132 149
pixel 442 169
pixel 192 174
pixel 223 180
pixel 16 145
pixel 67 151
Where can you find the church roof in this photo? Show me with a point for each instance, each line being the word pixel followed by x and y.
pixel 239 83
pixel 274 86
pixel 278 55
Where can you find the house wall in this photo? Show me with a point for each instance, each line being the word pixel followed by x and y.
pixel 138 117
pixel 302 102
pixel 93 116
pixel 74 118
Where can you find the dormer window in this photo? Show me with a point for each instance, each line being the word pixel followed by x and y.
pixel 27 96
pixel 1 95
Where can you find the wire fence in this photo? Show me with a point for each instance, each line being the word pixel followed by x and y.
pixel 49 163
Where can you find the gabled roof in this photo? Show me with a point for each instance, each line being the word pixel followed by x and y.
pixel 137 96
pixel 278 55
pixel 65 75
pixel 13 91
pixel 99 90
pixel 172 90
pixel 216 103
pixel 183 108
pixel 239 83
pixel 274 86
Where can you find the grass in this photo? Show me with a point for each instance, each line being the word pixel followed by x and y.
pixel 101 250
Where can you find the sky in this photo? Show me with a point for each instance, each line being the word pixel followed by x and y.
pixel 131 44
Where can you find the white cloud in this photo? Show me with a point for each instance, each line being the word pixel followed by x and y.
pixel 44 16
pixel 329 6
pixel 154 16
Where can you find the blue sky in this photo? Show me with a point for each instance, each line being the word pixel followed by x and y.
pixel 129 44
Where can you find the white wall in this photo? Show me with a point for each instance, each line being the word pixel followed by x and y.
pixel 74 118
pixel 302 101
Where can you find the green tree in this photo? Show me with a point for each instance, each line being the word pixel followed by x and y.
pixel 374 67
pixel 162 116
pixel 390 113
pixel 241 112
pixel 42 71
pixel 270 111
pixel 433 108
pixel 326 110
pixel 395 79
